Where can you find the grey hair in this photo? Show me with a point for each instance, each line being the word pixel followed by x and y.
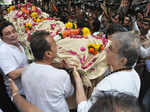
pixel 129 47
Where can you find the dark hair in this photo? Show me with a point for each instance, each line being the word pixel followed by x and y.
pixel 113 28
pixel 4 23
pixel 38 44
pixel 116 102
pixel 96 25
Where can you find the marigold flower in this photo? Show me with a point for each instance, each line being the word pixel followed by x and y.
pixel 12 8
pixel 86 31
pixel 69 25
pixel 34 14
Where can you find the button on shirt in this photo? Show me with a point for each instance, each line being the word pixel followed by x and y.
pixel 47 87
pixel 12 58
pixel 124 81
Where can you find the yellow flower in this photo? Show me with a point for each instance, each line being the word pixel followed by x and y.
pixel 75 26
pixel 97 46
pixel 8 9
pixel 38 20
pixel 34 14
pixel 86 31
pixel 11 8
pixel 94 48
pixel 69 25
pixel 28 25
pixel 91 44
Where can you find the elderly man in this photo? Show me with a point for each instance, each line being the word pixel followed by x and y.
pixel 45 86
pixel 122 54
pixel 13 58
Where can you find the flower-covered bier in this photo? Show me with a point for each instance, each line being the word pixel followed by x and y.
pixel 28 18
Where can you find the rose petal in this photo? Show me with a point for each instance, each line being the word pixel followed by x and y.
pixel 82 49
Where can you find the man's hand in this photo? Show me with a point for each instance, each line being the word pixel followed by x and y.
pixel 14 89
pixel 15 74
pixel 147 9
pixel 68 65
pixel 75 73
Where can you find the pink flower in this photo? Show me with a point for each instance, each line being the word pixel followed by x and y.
pixel 52 34
pixel 28 36
pixel 85 67
pixel 82 49
pixel 19 6
pixel 38 11
pixel 83 58
pixel 29 4
pixel 72 52
pixel 25 17
pixel 81 61
pixel 53 26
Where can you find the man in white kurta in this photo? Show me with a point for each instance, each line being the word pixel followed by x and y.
pixel 47 87
pixel 13 58
pixel 123 81
pixel 44 85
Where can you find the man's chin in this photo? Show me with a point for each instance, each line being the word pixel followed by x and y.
pixel 16 43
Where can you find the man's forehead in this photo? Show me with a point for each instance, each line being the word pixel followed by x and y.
pixel 9 27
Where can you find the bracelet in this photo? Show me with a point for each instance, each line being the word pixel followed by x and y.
pixel 14 94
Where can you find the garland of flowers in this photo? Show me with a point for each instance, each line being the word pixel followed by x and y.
pixel 28 18
pixel 74 32
pixel 94 48
pixel 71 25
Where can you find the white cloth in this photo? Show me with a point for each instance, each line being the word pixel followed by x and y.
pixel 47 87
pixel 135 26
pixel 123 81
pixel 144 52
pixel 1 42
pixel 7 2
pixel 1 110
pixel 12 58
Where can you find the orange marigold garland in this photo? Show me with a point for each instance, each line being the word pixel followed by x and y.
pixel 95 48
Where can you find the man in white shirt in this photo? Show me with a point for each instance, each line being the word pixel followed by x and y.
pixel 1 42
pixel 45 86
pixel 13 58
pixel 122 54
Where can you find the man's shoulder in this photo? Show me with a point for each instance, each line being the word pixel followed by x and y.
pixel 60 71
pixel 122 76
pixel 4 48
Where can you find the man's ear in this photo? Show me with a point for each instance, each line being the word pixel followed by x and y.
pixel 48 54
pixel 123 61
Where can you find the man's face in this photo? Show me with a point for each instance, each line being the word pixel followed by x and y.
pixel 146 25
pixel 112 54
pixel 127 21
pixel 52 42
pixel 115 19
pixel 9 35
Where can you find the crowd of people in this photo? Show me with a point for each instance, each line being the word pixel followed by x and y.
pixel 42 86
